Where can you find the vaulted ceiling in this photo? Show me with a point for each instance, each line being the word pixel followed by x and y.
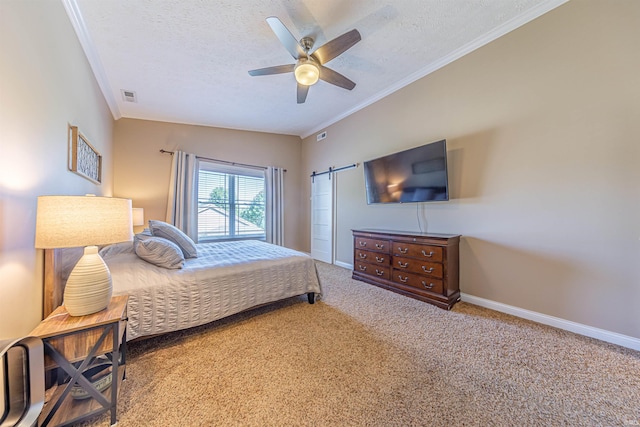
pixel 187 61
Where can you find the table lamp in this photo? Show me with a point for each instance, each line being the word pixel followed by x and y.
pixel 72 221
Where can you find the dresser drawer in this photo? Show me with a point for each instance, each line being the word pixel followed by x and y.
pixel 372 269
pixel 372 257
pixel 417 281
pixel 428 253
pixel 412 265
pixel 377 245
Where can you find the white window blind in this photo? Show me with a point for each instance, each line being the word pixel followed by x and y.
pixel 231 202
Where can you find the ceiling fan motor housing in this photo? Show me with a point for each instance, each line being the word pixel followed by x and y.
pixel 307 43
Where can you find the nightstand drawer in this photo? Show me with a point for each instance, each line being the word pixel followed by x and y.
pixel 76 348
pixel 73 337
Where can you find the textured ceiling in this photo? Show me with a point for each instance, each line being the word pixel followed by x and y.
pixel 187 60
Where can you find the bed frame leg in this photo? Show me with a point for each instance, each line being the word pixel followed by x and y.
pixel 311 296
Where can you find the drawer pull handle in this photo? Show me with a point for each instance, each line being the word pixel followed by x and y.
pixel 379 273
pixel 429 286
pixel 403 251
pixel 363 244
pixel 403 280
pixel 429 255
pixel 380 259
pixel 363 256
pixel 405 265
pixel 364 268
pixel 379 246
pixel 427 271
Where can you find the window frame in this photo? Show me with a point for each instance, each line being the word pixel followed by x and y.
pixel 234 171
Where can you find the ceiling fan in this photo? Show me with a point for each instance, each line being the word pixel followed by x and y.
pixel 309 66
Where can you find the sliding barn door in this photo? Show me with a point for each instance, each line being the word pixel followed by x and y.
pixel 322 190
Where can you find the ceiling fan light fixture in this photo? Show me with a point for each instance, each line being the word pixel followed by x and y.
pixel 307 72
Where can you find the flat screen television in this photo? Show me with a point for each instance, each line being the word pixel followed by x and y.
pixel 415 175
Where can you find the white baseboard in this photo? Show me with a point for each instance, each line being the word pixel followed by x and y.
pixel 567 325
pixel 343 265
pixel 556 322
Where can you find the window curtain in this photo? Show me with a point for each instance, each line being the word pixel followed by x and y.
pixel 183 193
pixel 274 181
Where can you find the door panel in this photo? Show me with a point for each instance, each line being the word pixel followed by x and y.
pixel 322 189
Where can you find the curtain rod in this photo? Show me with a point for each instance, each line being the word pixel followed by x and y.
pixel 222 161
pixel 331 170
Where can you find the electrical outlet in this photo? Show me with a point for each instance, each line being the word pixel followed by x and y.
pixel 321 136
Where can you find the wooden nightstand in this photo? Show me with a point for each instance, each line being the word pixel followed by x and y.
pixel 71 344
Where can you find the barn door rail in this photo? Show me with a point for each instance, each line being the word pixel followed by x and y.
pixel 331 170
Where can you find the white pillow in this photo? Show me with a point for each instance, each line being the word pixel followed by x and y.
pixel 170 232
pixel 158 251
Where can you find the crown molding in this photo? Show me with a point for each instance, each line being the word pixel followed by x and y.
pixel 486 38
pixel 73 11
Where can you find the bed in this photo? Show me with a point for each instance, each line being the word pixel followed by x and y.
pixel 225 278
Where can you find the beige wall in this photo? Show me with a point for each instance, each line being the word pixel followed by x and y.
pixel 142 172
pixel 542 129
pixel 45 83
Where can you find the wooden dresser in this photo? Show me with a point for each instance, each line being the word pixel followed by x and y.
pixel 418 265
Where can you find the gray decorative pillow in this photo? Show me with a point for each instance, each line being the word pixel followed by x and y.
pixel 170 232
pixel 158 251
pixel 116 249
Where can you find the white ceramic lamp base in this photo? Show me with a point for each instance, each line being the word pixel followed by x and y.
pixel 88 289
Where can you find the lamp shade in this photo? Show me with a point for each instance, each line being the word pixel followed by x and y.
pixel 71 221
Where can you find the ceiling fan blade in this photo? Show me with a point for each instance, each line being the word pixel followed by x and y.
pixel 335 47
pixel 278 69
pixel 302 93
pixel 285 37
pixel 330 76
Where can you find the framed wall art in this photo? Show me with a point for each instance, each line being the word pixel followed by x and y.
pixel 84 159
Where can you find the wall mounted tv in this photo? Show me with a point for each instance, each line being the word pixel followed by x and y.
pixel 415 175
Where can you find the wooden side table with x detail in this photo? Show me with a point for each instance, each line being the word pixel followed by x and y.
pixel 73 347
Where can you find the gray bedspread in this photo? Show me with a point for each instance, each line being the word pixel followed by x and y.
pixel 226 278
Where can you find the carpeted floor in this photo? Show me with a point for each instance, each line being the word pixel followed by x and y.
pixel 364 356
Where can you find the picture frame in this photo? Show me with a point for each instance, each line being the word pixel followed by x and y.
pixel 84 159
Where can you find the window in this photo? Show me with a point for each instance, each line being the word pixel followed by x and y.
pixel 231 202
